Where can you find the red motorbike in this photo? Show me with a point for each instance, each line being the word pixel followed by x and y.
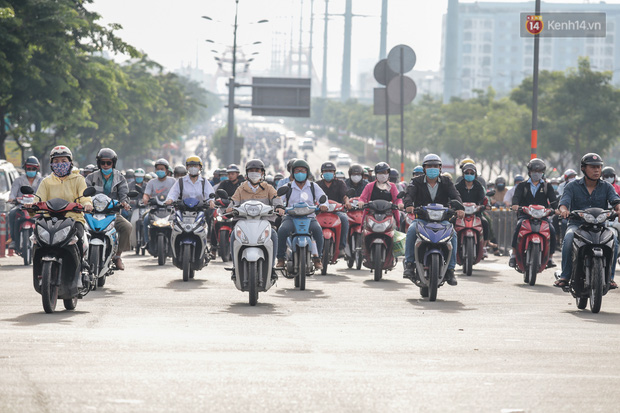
pixel 353 250
pixel 331 225
pixel 379 227
pixel 407 221
pixel 469 234
pixel 26 229
pixel 223 226
pixel 533 242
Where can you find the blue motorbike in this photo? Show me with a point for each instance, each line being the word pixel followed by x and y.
pixel 102 237
pixel 189 237
pixel 433 248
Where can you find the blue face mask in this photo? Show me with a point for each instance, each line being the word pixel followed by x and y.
pixel 300 176
pixel 106 172
pixel 224 178
pixel 160 174
pixel 139 179
pixel 31 174
pixel 470 178
pixel 328 176
pixel 432 173
pixel 555 187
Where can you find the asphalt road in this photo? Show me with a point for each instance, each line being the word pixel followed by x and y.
pixel 148 342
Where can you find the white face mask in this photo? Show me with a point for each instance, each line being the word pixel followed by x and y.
pixel 382 178
pixel 571 179
pixel 356 178
pixel 611 180
pixel 193 170
pixel 255 177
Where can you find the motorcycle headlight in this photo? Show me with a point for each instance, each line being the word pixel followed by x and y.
pixel 380 226
pixel 445 239
pixel 434 215
pixel 253 210
pixel 424 237
pixel 161 222
pixel 43 234
pixel 602 218
pixel 61 234
pixel 241 235
pixel 265 235
pixel 99 204
pixel 538 213
pixel 470 209
pixel 589 218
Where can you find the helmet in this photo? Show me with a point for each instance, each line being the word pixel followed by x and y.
pixel 447 175
pixel 431 158
pixel 382 167
pixel 500 180
pixel 152 175
pixel 536 165
pixel 278 176
pixel 470 167
pixel 300 163
pixel 356 169
pixel 138 172
pixel 58 151
pixel 180 170
pixel 367 171
pixel 328 166
pixel 269 178
pixel 289 164
pixel 162 161
pixel 130 173
pixel 90 168
pixel 519 178
pixel 340 175
pixel 608 171
pixel 252 164
pixel 32 161
pixel 591 159
pixel 394 175
pixel 466 161
pixel 418 170
pixel 568 173
pixel 106 153
pixel 234 168
pixel 193 160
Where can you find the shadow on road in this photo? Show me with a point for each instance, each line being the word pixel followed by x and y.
pixel 246 310
pixel 542 289
pixel 479 275
pixel 600 318
pixel 180 285
pixel 7 268
pixel 385 284
pixel 103 293
pixel 332 278
pixel 61 316
pixel 296 295
pixel 439 305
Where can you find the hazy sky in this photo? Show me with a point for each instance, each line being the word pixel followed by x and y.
pixel 173 33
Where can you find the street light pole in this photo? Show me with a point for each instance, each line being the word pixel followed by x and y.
pixel 230 153
pixel 534 137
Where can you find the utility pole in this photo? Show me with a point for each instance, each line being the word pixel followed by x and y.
pixel 324 75
pixel 301 35
pixel 382 47
pixel 534 138
pixel 311 34
pixel 345 86
pixel 230 153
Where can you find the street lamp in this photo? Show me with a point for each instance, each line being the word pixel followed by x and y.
pixel 230 152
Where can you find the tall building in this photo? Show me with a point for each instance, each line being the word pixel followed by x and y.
pixel 486 48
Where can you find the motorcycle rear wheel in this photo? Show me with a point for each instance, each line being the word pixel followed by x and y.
pixel 433 277
pixel 597 281
pixel 582 302
pixel 161 249
pixel 533 264
pixel 49 289
pixel 327 254
pixel 469 256
pixel 70 303
pixel 378 261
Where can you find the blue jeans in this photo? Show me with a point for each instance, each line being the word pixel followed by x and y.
pixel 287 227
pixel 274 239
pixel 145 229
pixel 344 230
pixel 567 253
pixel 412 235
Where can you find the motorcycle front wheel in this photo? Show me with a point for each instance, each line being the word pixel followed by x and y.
pixel 138 239
pixel 161 249
pixel 533 263
pixel 469 256
pixel 49 289
pixel 303 267
pixel 253 277
pixel 70 303
pixel 597 281
pixel 327 253
pixel 358 251
pixel 94 262
pixel 433 277
pixel 187 262
pixel 224 245
pixel 378 261
pixel 26 246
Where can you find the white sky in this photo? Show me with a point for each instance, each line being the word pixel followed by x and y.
pixel 172 32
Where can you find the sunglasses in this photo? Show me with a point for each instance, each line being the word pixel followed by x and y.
pixel 469 173
pixel 32 169
pixel 106 163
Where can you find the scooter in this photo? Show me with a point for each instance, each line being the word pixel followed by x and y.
pixel 137 219
pixel 378 235
pixel 593 254
pixel 330 222
pixel 533 242
pixel 57 264
pixel 160 229
pixel 353 249
pixel 470 236
pixel 223 227
pixel 433 247
pixel 26 228
pixel 300 245
pixel 253 249
pixel 189 237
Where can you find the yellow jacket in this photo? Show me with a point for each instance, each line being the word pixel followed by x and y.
pixel 67 188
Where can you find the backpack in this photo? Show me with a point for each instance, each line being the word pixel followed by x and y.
pixel 288 195
pixel 181 188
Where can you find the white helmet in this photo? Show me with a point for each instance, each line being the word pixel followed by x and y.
pixel 431 158
pixel 60 150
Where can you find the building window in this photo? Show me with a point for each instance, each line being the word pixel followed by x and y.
pixel 486 48
pixel 467 48
pixel 467 24
pixel 467 36
pixel 466 72
pixel 609 38
pixel 486 61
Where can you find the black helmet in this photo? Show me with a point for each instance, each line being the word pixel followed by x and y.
pixel 300 163
pixel 278 176
pixel 106 153
pixel 608 172
pixel 289 164
pixel 381 167
pixel 356 169
pixel 32 161
pixel 591 159
pixel 328 166
pixel 536 165
pixel 180 170
pixel 500 180
pixel 394 175
pixel 130 174
pixel 253 164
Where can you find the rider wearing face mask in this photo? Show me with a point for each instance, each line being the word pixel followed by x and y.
pixel 156 188
pixel 569 176
pixel 535 191
pixel 497 199
pixel 356 180
pixel 109 181
pixel 336 190
pixel 609 175
pixel 234 180
pixel 32 178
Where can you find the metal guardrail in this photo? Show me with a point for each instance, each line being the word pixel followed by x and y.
pixel 503 222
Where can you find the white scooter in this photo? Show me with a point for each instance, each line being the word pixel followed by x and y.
pixel 253 249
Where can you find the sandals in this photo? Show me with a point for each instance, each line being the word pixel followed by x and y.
pixel 561 283
pixel 613 285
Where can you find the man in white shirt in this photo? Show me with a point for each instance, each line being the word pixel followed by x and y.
pixel 511 191
pixel 191 185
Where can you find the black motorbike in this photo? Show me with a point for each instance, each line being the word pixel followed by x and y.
pixel 160 229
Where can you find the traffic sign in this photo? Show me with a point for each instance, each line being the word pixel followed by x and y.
pixel 383 73
pixel 409 90
pixel 408 58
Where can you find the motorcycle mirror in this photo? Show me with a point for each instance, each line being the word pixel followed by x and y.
pixel 322 199
pixel 211 195
pixel 491 192
pixel 139 189
pixel 89 191
pixel 401 194
pixel 222 194
pixel 133 194
pixel 456 205
pixel 350 193
pixel 283 190
pixel 26 190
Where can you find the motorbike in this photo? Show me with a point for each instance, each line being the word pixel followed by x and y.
pixel 137 220
pixel 331 225
pixel 253 251
pixel 189 237
pixel 300 244
pixel 433 247
pixel 378 235
pixel 593 252
pixel 160 229
pixel 353 249
pixel 223 226
pixel 470 236
pixel 57 261
pixel 533 242
pixel 26 228
pixel 407 222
